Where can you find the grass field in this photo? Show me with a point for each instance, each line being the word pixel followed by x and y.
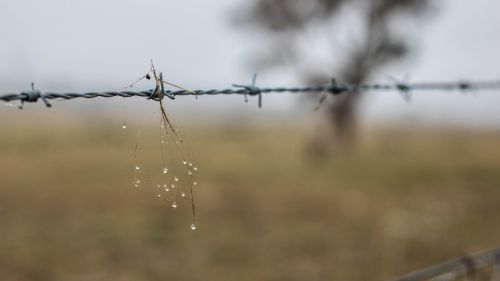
pixel 267 208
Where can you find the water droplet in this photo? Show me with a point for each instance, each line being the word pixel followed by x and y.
pixel 190 164
pixel 183 194
pixel 174 204
pixel 189 172
pixel 137 167
pixel 172 186
pixel 162 141
pixel 184 162
pixel 124 126
pixel 167 189
pixel 176 179
pixel 136 185
pixel 159 186
pixel 195 183
pixel 195 168
pixel 159 195
pixel 193 226
pixel 165 170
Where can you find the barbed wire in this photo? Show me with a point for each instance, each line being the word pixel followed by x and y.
pixel 454 269
pixel 333 88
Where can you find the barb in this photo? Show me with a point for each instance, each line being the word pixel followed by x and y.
pixel 333 89
pixel 32 96
pixel 251 90
pixel 402 86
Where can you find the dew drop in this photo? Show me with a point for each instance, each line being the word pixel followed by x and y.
pixel 176 179
pixel 172 186
pixel 159 195
pixel 174 204
pixel 195 168
pixel 137 167
pixel 195 183
pixel 158 185
pixel 167 189
pixel 165 170
pixel 183 194
pixel 190 172
pixel 124 126
pixel 193 226
pixel 184 162
pixel 190 164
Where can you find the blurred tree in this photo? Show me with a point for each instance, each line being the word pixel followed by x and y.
pixel 287 22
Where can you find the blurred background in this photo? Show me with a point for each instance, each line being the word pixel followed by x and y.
pixel 367 188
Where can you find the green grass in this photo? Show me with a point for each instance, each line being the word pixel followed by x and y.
pixel 267 208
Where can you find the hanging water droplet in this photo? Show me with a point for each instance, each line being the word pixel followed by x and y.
pixel 174 204
pixel 176 179
pixel 124 126
pixel 189 172
pixel 195 168
pixel 167 189
pixel 195 183
pixel 159 195
pixel 184 162
pixel 172 186
pixel 193 226
pixel 190 164
pixel 137 167
pixel 183 194
pixel 165 170
pixel 136 185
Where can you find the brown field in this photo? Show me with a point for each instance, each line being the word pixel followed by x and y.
pixel 267 208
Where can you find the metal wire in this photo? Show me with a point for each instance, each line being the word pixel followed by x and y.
pixel 333 88
pixel 456 268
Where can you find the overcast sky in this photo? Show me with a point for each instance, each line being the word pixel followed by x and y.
pixel 102 45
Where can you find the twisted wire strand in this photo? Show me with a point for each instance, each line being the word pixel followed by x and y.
pixel 455 268
pixel 253 90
